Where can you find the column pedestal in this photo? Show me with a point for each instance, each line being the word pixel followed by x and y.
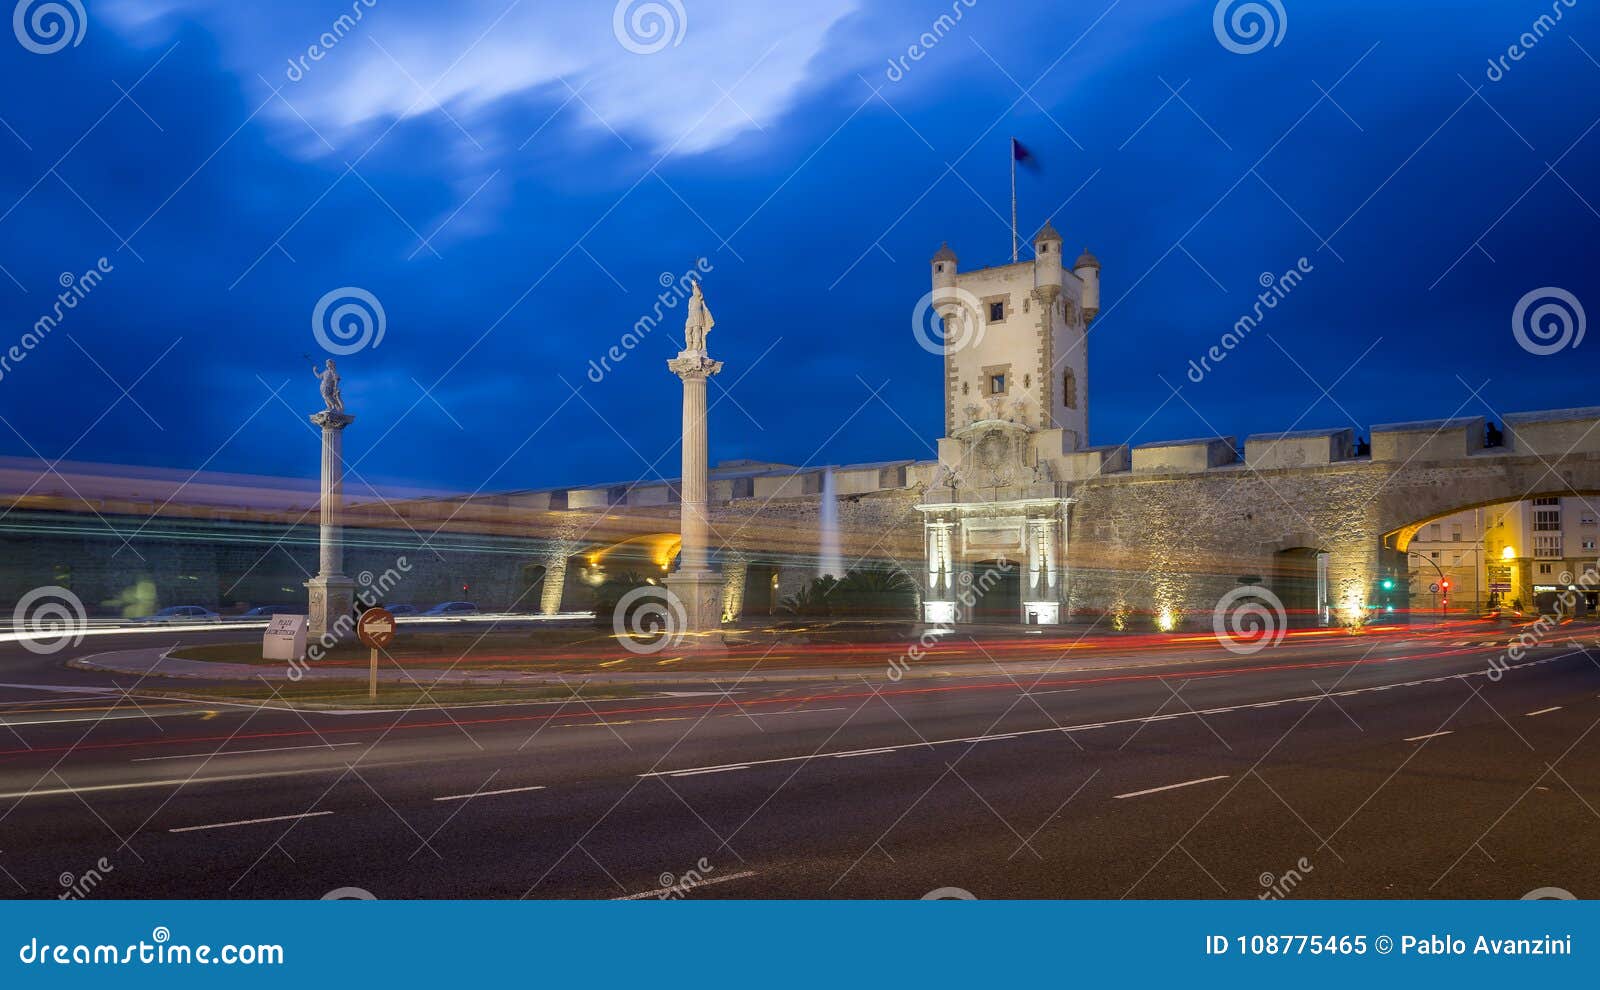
pixel 701 595
pixel 330 598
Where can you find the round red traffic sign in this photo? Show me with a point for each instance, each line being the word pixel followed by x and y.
pixel 376 628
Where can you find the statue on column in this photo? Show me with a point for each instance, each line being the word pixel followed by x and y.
pixel 329 377
pixel 697 326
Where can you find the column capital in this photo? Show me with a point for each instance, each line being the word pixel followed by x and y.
pixel 330 420
pixel 694 365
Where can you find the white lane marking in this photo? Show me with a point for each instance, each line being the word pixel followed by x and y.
pixel 685 888
pixel 244 752
pixel 98 718
pixel 1040 694
pixel 63 689
pixel 252 821
pixel 1543 711
pixel 503 790
pixel 1068 729
pixel 173 782
pixel 798 711
pixel 864 752
pixel 696 773
pixel 1431 735
pixel 1171 787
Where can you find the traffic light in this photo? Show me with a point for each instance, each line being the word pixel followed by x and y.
pixel 1388 584
pixel 1445 584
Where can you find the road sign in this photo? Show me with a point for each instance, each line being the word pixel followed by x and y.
pixel 376 628
pixel 1434 587
pixel 1499 586
pixel 285 638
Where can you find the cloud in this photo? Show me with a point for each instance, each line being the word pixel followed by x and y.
pixel 353 70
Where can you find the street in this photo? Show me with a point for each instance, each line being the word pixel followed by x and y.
pixel 1386 765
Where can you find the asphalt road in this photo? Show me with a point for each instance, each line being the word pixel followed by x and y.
pixel 1371 766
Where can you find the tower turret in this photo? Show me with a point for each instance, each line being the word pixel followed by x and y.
pixel 1087 268
pixel 1047 258
pixel 944 268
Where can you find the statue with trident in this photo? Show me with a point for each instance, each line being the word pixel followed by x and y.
pixel 697 326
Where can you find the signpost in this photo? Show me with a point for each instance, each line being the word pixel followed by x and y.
pixel 376 629
pixel 285 638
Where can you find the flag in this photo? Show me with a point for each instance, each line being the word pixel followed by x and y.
pixel 1019 153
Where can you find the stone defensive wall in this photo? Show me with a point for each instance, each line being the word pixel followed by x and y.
pixel 1160 527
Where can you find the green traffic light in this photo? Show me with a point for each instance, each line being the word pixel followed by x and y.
pixel 1388 584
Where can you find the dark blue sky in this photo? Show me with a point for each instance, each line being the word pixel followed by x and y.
pixel 564 174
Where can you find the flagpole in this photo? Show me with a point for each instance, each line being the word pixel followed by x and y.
pixel 1013 201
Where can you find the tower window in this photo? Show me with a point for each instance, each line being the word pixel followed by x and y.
pixel 996 379
pixel 1069 389
pixel 995 307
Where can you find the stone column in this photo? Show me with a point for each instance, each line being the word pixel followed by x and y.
pixel 330 592
pixel 697 586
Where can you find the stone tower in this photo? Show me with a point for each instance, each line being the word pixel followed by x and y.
pixel 1018 347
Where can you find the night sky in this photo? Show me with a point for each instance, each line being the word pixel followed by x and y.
pixel 556 175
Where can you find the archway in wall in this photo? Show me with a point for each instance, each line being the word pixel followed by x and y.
pixel 760 590
pixel 1300 580
pixel 996 590
pixel 1509 555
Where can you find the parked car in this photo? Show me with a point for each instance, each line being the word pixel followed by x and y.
pixel 448 609
pixel 178 614
pixel 402 608
pixel 268 611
